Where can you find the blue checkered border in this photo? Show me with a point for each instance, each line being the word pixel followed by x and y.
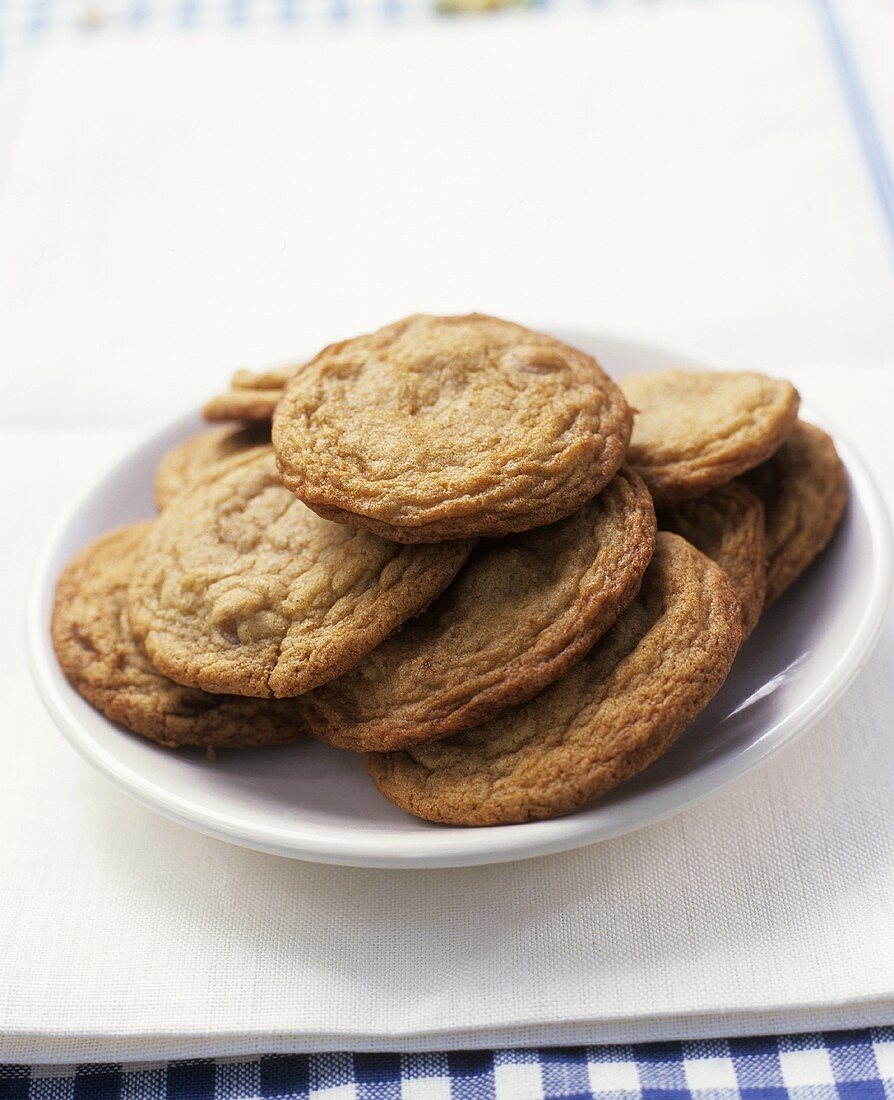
pixel 838 1065
pixel 29 23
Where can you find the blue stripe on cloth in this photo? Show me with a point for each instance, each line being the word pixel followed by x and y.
pixel 861 1090
pixel 860 110
pixel 284 1075
pixel 193 1080
pixel 97 1082
pixel 378 1076
pixel 138 14
pixel 847 1065
pixel 38 18
pixel 188 13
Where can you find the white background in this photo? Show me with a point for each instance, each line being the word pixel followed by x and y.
pixel 687 173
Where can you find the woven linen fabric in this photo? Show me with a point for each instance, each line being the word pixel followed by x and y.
pixel 856 1065
pixel 766 908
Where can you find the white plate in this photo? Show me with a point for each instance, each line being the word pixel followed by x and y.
pixel 309 801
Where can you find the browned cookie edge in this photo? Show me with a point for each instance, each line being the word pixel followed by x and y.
pixel 675 680
pixel 804 489
pixel 570 639
pixel 727 524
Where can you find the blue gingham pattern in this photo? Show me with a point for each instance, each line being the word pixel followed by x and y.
pixel 25 24
pixel 28 23
pixel 837 1065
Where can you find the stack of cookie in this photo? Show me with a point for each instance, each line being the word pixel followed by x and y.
pixel 444 556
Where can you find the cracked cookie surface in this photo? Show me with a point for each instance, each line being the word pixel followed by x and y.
pixel 446 427
pixel 605 720
pixel 252 395
pixel 804 490
pixel 694 430
pixel 241 588
pixel 727 524
pixel 106 665
pixel 190 460
pixel 521 611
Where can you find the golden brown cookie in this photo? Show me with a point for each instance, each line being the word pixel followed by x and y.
pixel 608 718
pixel 252 395
pixel 521 611
pixel 804 490
pixel 727 524
pixel 240 588
pixel 697 429
pixel 449 427
pixel 104 662
pixel 186 462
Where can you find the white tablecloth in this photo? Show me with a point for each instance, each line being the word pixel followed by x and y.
pixel 126 936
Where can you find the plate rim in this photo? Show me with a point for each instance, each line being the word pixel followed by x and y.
pixel 464 847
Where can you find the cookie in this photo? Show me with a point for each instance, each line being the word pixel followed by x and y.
pixel 606 719
pixel 449 427
pixel 252 395
pixel 727 524
pixel 804 490
pixel 186 462
pixel 104 662
pixel 694 430
pixel 240 588
pixel 521 611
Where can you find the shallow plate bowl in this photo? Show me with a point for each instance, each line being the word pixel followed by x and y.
pixel 312 802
